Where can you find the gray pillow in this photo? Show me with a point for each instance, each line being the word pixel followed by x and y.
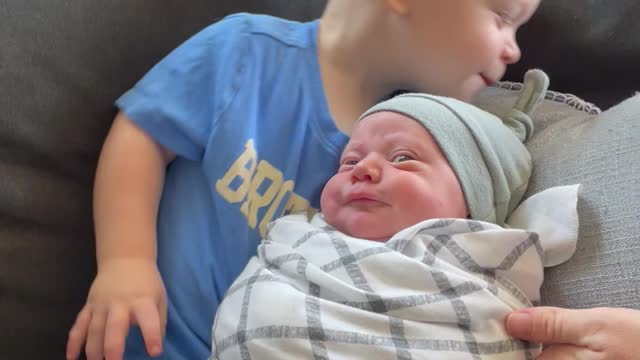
pixel 575 143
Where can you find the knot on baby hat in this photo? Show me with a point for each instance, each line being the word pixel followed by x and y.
pixel 487 153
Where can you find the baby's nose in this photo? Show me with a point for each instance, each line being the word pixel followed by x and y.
pixel 368 169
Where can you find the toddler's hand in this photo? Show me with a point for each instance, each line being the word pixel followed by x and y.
pixel 125 292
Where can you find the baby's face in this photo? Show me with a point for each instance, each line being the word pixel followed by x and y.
pixel 455 48
pixel 392 175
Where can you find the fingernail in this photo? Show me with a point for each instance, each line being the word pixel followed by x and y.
pixel 519 323
pixel 527 310
pixel 520 317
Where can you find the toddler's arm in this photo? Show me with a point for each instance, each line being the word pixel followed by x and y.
pixel 128 287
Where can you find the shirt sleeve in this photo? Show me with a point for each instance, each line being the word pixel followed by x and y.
pixel 180 99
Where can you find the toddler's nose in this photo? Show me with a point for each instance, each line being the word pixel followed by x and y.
pixel 511 53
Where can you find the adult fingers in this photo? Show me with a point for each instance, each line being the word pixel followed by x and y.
pixel 569 352
pixel 553 325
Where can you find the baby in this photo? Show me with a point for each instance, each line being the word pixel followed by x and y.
pixel 413 255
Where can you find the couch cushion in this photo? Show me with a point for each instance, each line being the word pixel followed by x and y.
pixel 602 152
pixel 62 65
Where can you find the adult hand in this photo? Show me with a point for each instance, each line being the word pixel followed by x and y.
pixel 590 334
pixel 124 292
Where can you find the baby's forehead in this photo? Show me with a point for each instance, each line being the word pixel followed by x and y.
pixel 388 121
pixel 386 118
pixel 388 128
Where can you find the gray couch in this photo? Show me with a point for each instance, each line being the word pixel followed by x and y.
pixel 63 63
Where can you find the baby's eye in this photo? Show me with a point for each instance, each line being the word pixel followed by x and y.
pixel 347 165
pixel 401 158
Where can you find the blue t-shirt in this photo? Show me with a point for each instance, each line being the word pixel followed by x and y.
pixel 242 105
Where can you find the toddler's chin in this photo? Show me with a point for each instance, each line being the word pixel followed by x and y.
pixel 468 94
pixel 470 90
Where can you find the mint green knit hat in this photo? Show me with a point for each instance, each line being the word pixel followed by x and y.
pixel 487 153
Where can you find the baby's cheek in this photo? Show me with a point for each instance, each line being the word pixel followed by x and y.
pixel 419 208
pixel 335 214
pixel 329 202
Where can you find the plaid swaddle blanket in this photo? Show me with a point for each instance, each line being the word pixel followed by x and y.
pixel 437 290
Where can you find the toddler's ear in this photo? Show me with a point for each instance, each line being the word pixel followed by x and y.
pixel 533 92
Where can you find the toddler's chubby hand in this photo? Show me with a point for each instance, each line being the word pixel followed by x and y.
pixel 125 292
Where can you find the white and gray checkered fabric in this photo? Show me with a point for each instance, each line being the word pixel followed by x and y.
pixel 439 289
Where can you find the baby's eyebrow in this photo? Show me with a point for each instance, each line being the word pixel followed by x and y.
pixel 348 152
pixel 403 138
pixel 353 146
